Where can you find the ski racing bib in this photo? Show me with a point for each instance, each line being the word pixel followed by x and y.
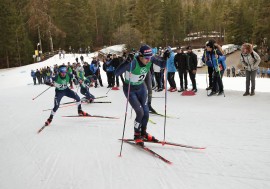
pixel 137 75
pixel 62 83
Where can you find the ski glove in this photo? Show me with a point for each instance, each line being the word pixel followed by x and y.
pixel 166 54
pixel 50 84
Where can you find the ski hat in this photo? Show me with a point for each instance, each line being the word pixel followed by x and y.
pixel 146 51
pixel 210 43
pixel 189 48
pixel 62 69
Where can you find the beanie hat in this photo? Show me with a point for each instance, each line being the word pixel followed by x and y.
pixel 146 51
pixel 209 44
pixel 62 69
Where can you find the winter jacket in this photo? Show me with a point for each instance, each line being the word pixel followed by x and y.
pixel 180 61
pixel 249 62
pixel 115 62
pixel 170 62
pixel 87 70
pixel 94 67
pixel 109 67
pixel 192 61
pixel 38 74
pixel 211 61
pixel 33 74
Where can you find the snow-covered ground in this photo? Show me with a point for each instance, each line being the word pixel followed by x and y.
pixel 82 153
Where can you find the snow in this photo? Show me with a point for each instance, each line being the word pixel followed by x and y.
pixel 83 153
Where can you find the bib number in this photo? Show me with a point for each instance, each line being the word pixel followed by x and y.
pixel 141 77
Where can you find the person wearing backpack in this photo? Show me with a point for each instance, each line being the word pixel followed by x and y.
pixel 251 60
pixel 213 56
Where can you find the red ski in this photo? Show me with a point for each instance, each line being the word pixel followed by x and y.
pixel 172 144
pixel 98 116
pixel 148 150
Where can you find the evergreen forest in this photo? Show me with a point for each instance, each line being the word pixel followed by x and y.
pixel 50 25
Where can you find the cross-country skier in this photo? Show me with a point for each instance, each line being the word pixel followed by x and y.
pixel 85 84
pixel 139 68
pixel 60 81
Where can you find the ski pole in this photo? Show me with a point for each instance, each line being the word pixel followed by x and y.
pixel 206 74
pixel 109 90
pixel 124 127
pixel 219 72
pixel 41 93
pixel 165 111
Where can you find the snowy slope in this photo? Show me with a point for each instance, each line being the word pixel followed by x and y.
pixel 82 153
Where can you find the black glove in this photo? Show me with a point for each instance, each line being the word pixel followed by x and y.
pixel 166 54
pixel 50 84
pixel 129 58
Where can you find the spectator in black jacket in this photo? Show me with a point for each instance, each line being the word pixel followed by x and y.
pixel 192 67
pixel 38 74
pixel 86 68
pixel 115 63
pixel 180 61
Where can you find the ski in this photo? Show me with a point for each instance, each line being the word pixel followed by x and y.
pixel 148 150
pixel 98 116
pixel 100 102
pixel 67 105
pixel 41 129
pixel 171 144
pixel 98 97
pixel 151 121
pixel 83 99
pixel 162 115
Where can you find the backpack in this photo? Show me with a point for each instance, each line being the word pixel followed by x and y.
pixel 252 55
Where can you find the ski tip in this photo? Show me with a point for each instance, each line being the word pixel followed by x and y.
pixel 170 163
pixel 119 155
pixel 203 148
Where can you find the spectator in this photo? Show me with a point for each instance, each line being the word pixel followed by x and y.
pixel 192 67
pixel 263 72
pixel 251 60
pixel 59 53
pixel 268 72
pixel 94 67
pixel 233 71
pixel 115 63
pixel 213 56
pixel 258 72
pixel 86 68
pixel 228 72
pixel 33 75
pixel 171 69
pixel 81 57
pixel 38 75
pixel 209 62
pixel 109 71
pixel 180 61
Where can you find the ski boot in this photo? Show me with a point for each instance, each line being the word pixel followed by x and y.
pixel 138 139
pixel 82 113
pixel 49 120
pixel 150 138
